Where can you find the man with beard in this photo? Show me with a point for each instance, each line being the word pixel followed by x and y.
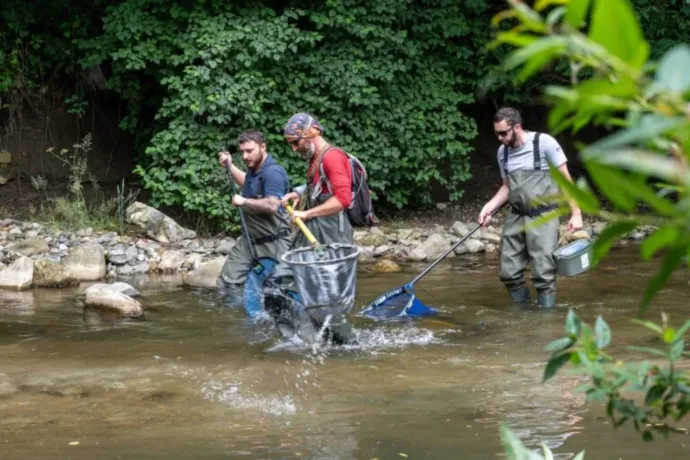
pixel 322 205
pixel 268 224
pixel 523 160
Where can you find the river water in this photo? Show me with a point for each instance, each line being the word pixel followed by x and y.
pixel 194 380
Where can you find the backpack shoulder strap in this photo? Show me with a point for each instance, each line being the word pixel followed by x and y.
pixel 504 152
pixel 322 173
pixel 536 152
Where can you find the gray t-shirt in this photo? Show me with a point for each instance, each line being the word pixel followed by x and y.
pixel 523 157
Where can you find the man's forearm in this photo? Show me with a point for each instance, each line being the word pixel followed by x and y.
pixel 327 208
pixel 237 174
pixel 268 205
pixel 499 198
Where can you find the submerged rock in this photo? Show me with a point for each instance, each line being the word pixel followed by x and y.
pixel 386 266
pixel 117 286
pixel 104 296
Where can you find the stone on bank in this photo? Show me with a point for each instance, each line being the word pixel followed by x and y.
pixel 19 275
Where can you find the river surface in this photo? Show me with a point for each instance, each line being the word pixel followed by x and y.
pixel 194 380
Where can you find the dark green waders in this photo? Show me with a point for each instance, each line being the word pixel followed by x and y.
pixel 271 236
pixel 519 245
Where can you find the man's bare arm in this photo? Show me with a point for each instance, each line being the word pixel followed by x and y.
pixel 268 205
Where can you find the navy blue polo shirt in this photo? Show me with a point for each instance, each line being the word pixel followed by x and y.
pixel 270 180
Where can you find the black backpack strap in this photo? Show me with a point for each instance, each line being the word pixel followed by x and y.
pixel 322 173
pixel 505 159
pixel 537 152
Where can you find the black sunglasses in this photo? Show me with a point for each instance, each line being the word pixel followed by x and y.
pixel 503 133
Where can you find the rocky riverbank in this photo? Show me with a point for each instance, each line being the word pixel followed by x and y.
pixel 35 255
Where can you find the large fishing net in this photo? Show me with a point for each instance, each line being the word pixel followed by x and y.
pixel 325 275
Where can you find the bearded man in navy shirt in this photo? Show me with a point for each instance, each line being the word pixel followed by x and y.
pixel 268 224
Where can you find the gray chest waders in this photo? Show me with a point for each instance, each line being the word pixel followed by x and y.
pixel 271 236
pixel 519 245
pixel 327 230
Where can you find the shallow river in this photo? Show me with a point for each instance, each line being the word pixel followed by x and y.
pixel 196 381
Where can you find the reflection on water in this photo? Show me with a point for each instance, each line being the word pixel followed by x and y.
pixel 195 379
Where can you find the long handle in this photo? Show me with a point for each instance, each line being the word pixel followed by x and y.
pixel 245 230
pixel 310 236
pixel 448 251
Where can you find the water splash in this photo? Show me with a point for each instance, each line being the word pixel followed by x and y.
pixel 232 394
pixel 368 341
pixel 380 338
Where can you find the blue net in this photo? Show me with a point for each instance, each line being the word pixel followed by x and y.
pixel 397 304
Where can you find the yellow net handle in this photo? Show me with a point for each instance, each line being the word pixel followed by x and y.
pixel 310 236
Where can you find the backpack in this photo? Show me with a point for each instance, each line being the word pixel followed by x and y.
pixel 361 210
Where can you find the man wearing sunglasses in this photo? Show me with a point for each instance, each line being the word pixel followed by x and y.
pixel 322 204
pixel 524 159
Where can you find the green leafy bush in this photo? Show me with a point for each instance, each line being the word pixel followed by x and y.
pixel 388 80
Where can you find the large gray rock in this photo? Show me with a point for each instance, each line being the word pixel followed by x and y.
pixel 19 275
pixel 157 225
pixel 432 248
pixel 86 262
pixel 460 229
pixel 131 254
pixel 366 255
pixel 171 261
pixel 192 262
pixel 206 275
pixel 105 297
pixel 363 238
pixel 474 246
pixel 117 255
pixel 29 247
pixel 225 246
pixel 489 236
pixel 51 274
pixel 141 268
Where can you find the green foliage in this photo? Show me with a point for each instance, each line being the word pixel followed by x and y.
pixel 391 81
pixel 387 79
pixel 666 388
pixel 647 100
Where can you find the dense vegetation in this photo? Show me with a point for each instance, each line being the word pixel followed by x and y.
pixel 392 81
